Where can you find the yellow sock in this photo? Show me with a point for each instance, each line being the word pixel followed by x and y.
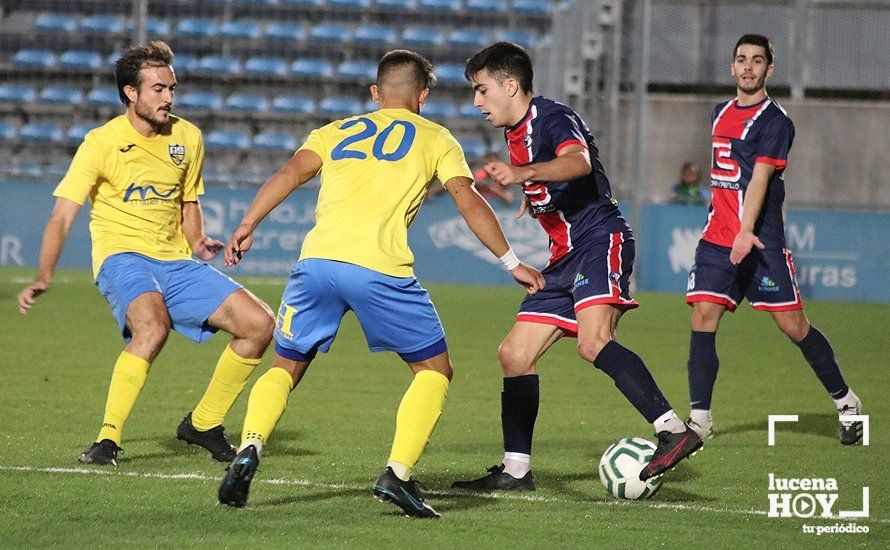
pixel 127 380
pixel 229 378
pixel 418 413
pixel 267 402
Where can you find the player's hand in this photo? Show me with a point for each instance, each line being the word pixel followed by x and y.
pixel 528 277
pixel 206 248
pixel 506 174
pixel 522 207
pixel 29 295
pixel 742 245
pixel 239 244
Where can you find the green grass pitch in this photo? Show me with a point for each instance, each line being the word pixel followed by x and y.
pixel 313 487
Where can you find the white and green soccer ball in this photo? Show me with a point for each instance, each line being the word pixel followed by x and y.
pixel 620 468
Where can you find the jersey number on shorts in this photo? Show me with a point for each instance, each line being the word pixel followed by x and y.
pixel 370 129
pixel 285 319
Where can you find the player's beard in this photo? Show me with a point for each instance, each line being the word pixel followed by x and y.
pixel 751 88
pixel 147 114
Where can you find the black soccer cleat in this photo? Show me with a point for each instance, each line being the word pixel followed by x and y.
pixel 214 439
pixel 103 453
pixel 236 483
pixel 851 431
pixel 672 448
pixel 497 480
pixel 404 494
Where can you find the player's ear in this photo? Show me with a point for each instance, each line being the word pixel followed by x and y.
pixel 769 71
pixel 131 92
pixel 423 95
pixel 512 87
pixel 375 94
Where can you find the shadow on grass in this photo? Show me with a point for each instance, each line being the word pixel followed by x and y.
pixel 818 424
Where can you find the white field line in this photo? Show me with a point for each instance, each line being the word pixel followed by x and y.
pixel 496 496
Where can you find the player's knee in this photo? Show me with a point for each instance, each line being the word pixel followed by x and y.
pixel 151 335
pixel 704 320
pixel 262 326
pixel 590 348
pixel 796 331
pixel 515 361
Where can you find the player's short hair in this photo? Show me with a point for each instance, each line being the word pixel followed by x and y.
pixel 155 53
pixel 406 62
pixel 503 60
pixel 756 40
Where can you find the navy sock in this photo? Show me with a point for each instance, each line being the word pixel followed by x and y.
pixel 519 409
pixel 820 356
pixel 633 379
pixel 702 367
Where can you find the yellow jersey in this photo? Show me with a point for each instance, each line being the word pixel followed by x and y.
pixel 136 186
pixel 375 172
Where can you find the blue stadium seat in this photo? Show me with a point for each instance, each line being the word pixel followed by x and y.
pixel 55 22
pixel 364 70
pixel 266 66
pixel 12 93
pixel 227 139
pixel 277 141
pixel 60 95
pixel 469 37
pixel 157 27
pixel 197 28
pixel 470 112
pixel 306 3
pixel 487 6
pixel 375 35
pixel 41 133
pixel 438 110
pixel 355 4
pixel 79 59
pixel 525 39
pixel 112 59
pixel 423 36
pixel 240 29
pixel 331 33
pixel 34 59
pixel 258 2
pixel 293 104
pixel 8 132
pixel 219 65
pixel 200 100
pixel 370 106
pixel 183 62
pixel 340 106
pixel 103 97
pixel 247 102
pixel 314 68
pixel 285 31
pixel 450 73
pixel 473 148
pixel 397 4
pixel 531 7
pixel 440 5
pixel 101 24
pixel 76 133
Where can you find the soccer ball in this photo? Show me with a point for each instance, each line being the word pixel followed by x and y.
pixel 620 468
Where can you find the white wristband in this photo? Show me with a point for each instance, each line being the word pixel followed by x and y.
pixel 510 260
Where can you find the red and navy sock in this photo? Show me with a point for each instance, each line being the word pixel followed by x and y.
pixel 633 379
pixel 820 356
pixel 519 410
pixel 702 366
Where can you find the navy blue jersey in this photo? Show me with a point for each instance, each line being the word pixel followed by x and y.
pixel 574 213
pixel 742 137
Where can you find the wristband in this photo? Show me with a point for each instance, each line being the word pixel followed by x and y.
pixel 510 260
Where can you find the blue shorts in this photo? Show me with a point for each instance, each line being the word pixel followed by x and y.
pixel 192 291
pixel 395 312
pixel 597 274
pixel 765 278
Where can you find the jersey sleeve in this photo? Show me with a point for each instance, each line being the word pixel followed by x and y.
pixel 775 142
pixel 83 173
pixel 562 130
pixel 193 186
pixel 450 159
pixel 315 143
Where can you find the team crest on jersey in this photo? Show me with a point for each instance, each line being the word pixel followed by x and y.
pixel 177 154
pixel 614 276
pixel 527 141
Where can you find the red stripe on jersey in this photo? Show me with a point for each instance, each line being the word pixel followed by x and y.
pixel 778 163
pixel 558 230
pixel 730 122
pixel 568 142
pixel 615 240
pixel 723 224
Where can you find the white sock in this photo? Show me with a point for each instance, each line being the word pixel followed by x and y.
pixel 669 421
pixel 257 444
pixel 402 472
pixel 517 464
pixel 702 417
pixel 849 400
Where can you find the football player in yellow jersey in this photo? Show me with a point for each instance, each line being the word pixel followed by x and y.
pixel 375 170
pixel 142 174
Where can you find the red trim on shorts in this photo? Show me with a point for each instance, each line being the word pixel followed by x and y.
pixel 712 299
pixel 570 327
pixel 568 142
pixel 623 304
pixel 790 307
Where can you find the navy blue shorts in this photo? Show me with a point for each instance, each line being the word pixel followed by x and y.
pixel 597 274
pixel 764 277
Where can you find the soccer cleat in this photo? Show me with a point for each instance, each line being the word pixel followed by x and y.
pixel 702 431
pixel 214 439
pixel 404 494
pixel 672 448
pixel 236 483
pixel 101 452
pixel 851 431
pixel 497 480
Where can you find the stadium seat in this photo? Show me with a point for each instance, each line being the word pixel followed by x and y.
pixel 200 100
pixel 450 73
pixel 315 68
pixel 339 106
pixel 487 6
pixel 331 33
pixel 12 93
pixel 33 59
pixel 103 97
pixel 111 60
pixel 266 66
pixel 423 36
pixel 440 5
pixel 306 3
pixel 197 28
pixel 396 4
pixel 41 133
pixel 438 110
pixel 293 104
pixel 60 95
pixel 240 29
pixel 375 35
pixel 183 62
pixel 354 4
pixel 79 59
pixel 76 133
pixel 157 27
pixel 277 141
pixel 470 112
pixel 101 24
pixel 227 139
pixel 370 106
pixel 469 37
pixel 55 22
pixel 285 31
pixel 473 148
pixel 526 39
pixel 8 131
pixel 531 7
pixel 219 65
pixel 363 70
pixel 247 102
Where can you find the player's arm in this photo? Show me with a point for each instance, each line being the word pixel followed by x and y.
pixel 751 206
pixel 54 236
pixel 572 162
pixel 203 247
pixel 484 224
pixel 302 167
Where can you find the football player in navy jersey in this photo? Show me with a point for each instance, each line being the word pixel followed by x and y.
pixel 554 158
pixel 742 252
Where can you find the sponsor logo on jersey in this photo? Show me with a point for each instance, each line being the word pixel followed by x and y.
pixel 146 192
pixel 127 148
pixel 768 285
pixel 580 280
pixel 177 154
